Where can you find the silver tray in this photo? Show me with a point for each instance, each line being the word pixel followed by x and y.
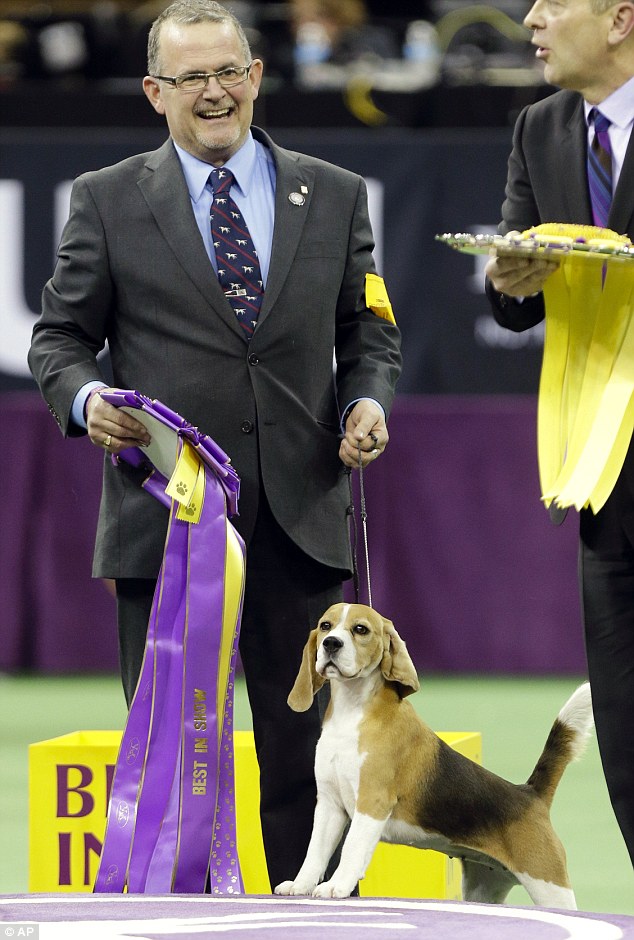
pixel 509 245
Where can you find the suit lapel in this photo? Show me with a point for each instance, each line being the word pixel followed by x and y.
pixel 573 156
pixel 163 188
pixel 290 217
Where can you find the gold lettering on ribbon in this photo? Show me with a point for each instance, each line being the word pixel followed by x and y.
pixel 201 744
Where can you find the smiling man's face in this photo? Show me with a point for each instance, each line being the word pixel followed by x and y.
pixel 211 124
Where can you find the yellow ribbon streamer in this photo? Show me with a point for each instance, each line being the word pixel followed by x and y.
pixel 586 395
pixel 550 420
pixel 234 590
pixel 191 511
pixel 187 487
pixel 187 484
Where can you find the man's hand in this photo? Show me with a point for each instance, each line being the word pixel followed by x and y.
pixel 365 425
pixel 112 428
pixel 519 277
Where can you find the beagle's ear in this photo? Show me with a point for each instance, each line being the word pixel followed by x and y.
pixel 308 681
pixel 396 665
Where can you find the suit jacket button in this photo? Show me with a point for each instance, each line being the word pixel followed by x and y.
pixel 253 360
pixel 246 427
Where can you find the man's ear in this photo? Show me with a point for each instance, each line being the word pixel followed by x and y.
pixel 255 77
pixel 622 23
pixel 396 665
pixel 308 681
pixel 152 91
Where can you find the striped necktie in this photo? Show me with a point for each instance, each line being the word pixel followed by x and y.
pixel 238 266
pixel 600 169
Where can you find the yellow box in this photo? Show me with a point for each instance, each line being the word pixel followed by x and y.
pixel 69 779
pixel 69 782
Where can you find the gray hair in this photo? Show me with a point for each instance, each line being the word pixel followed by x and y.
pixel 188 12
pixel 601 6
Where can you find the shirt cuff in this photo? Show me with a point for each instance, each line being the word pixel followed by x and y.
pixel 79 402
pixel 348 409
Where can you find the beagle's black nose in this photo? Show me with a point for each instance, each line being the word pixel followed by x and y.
pixel 332 643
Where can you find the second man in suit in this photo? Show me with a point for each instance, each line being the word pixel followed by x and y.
pixel 138 268
pixel 587 47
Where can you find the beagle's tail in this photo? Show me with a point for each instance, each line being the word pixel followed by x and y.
pixel 566 742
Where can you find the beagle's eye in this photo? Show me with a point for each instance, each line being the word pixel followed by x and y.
pixel 360 629
pixel 325 625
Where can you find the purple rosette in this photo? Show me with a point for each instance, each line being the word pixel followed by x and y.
pixel 171 817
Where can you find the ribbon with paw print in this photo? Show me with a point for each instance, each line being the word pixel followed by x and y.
pixel 171 817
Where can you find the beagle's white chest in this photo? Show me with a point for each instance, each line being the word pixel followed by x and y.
pixel 338 761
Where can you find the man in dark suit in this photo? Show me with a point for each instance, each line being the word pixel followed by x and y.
pixel 136 270
pixel 588 50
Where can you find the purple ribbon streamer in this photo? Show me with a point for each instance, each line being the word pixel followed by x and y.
pixel 159 833
pixel 126 787
pixel 200 769
pixel 163 746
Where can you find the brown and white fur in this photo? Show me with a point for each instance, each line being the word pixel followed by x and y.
pixel 380 767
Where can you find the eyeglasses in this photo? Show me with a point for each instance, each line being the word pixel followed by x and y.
pixel 197 81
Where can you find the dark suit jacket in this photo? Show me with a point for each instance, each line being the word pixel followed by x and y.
pixel 132 271
pixel 547 182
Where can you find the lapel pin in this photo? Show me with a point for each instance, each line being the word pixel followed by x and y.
pixel 304 189
pixel 297 199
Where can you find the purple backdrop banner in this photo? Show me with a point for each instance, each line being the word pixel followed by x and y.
pixel 463 557
pixel 56 618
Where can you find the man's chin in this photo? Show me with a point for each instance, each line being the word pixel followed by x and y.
pixel 218 147
pixel 552 77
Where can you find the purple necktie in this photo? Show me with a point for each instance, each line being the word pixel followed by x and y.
pixel 600 169
pixel 238 266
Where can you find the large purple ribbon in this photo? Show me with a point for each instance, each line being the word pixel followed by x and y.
pixel 171 818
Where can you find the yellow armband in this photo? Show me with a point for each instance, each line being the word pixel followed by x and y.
pixel 376 297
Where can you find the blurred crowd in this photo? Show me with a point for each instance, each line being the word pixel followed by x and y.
pixel 310 43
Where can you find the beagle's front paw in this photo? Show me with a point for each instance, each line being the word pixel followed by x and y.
pixel 293 888
pixel 333 889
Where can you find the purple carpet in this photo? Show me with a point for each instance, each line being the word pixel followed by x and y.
pixel 192 917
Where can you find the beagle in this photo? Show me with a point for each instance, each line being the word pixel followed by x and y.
pixel 379 766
